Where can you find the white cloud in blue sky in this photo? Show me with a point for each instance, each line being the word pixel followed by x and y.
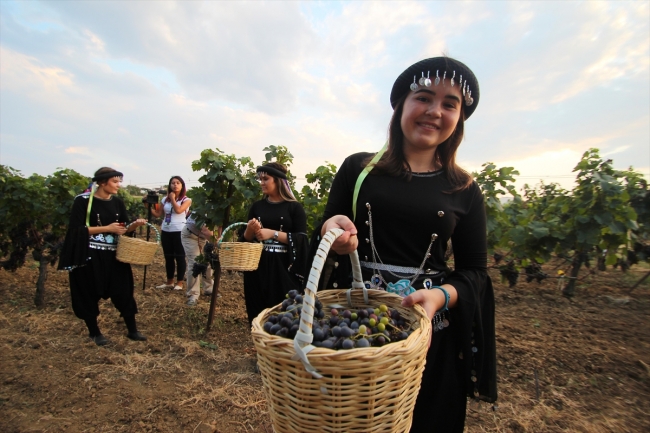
pixel 145 86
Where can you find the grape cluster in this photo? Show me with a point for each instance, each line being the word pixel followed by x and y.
pixel 202 262
pixel 346 329
pixel 534 272
pixel 509 273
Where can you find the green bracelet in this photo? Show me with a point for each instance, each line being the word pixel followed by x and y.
pixel 447 298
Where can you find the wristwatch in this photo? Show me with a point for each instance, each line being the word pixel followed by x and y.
pixel 275 236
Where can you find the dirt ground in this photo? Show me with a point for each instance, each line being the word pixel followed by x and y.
pixel 579 365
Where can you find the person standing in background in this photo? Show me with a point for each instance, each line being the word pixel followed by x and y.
pixel 174 210
pixel 97 218
pixel 194 239
pixel 280 223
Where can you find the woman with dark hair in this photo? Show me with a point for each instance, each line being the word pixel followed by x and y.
pixel 399 208
pixel 175 207
pixel 89 251
pixel 279 222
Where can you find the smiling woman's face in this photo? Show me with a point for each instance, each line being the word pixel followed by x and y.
pixel 430 115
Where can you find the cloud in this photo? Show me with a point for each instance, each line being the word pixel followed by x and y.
pixel 562 51
pixel 246 53
pixel 135 82
pixel 20 72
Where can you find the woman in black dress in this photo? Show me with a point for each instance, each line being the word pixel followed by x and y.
pixel 89 251
pixel 278 221
pixel 399 208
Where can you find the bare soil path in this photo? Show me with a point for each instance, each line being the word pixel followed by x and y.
pixel 579 365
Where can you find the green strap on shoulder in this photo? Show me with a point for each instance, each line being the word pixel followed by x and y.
pixel 362 176
pixel 90 203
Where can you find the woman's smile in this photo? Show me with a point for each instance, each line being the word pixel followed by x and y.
pixel 430 116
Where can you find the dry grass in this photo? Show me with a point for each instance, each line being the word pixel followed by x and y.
pixel 576 365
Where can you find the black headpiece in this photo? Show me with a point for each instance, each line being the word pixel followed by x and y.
pixel 438 71
pixel 107 175
pixel 272 171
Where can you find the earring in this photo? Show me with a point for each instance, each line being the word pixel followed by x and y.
pixel 437 79
pixel 427 81
pixel 452 79
pixel 444 77
pixel 414 85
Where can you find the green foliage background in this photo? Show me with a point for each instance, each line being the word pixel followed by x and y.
pixel 604 219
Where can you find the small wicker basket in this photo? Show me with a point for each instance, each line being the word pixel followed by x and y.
pixel 137 251
pixel 360 390
pixel 239 256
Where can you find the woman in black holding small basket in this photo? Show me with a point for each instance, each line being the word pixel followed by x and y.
pixel 97 219
pixel 280 223
pixel 399 208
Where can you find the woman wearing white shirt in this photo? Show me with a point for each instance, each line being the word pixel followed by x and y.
pixel 175 207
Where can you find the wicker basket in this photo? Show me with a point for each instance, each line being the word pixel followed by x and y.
pixel 360 390
pixel 137 251
pixel 239 256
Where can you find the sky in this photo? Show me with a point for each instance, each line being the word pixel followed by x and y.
pixel 145 86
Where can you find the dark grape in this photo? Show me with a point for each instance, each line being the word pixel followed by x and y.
pixel 363 342
pixel 347 332
pixel 283 332
pixel 267 326
pixel 275 328
pixel 347 344
pixel 298 299
pixel 292 294
pixel 336 331
pixel 328 344
pixel 318 334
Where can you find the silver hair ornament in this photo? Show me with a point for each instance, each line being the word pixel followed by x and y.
pixel 422 80
pixel 414 85
pixel 427 81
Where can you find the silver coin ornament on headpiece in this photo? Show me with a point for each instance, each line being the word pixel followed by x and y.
pixel 426 82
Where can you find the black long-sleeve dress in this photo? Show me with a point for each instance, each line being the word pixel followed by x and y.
pixel 461 361
pixel 95 273
pixel 282 267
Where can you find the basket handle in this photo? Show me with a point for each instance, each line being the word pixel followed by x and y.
pixel 153 227
pixel 223 233
pixel 302 340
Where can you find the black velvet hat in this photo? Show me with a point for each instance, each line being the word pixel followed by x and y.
pixel 438 71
